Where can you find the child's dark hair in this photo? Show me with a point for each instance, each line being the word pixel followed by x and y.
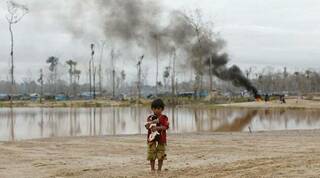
pixel 158 103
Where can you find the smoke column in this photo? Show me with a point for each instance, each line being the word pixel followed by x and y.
pixel 139 22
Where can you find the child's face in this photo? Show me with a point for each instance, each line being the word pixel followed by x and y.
pixel 157 111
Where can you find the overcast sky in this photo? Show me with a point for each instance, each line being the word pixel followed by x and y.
pixel 260 33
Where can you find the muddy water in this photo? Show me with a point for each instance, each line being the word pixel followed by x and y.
pixel 31 123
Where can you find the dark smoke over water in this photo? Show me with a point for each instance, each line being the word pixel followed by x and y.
pixel 143 23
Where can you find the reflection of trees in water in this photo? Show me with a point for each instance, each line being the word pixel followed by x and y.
pixel 137 118
pixel 122 118
pixel 41 123
pixel 114 130
pixel 89 124
pixel 109 120
pixel 77 122
pixel 173 124
pixel 210 119
pixel 52 122
pixel 100 121
pixel 74 124
pixel 212 116
pixel 198 117
pixel 12 124
pixel 94 121
pixel 239 123
pixel 281 116
pixel 44 122
pixel 71 122
pixel 117 116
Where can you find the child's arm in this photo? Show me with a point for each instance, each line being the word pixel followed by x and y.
pixel 150 121
pixel 164 124
pixel 147 124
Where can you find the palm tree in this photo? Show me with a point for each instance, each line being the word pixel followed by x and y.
pixel 77 74
pixel 71 65
pixel 53 63
pixel 166 75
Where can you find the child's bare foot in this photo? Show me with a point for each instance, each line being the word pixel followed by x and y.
pixel 153 172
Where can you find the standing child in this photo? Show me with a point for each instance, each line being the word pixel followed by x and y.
pixel 157 124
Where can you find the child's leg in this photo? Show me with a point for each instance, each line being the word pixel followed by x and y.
pixel 160 163
pixel 161 155
pixel 152 164
pixel 152 155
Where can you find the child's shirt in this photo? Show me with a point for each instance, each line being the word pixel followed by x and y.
pixel 163 121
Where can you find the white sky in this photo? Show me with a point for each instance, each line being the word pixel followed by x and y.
pixel 258 33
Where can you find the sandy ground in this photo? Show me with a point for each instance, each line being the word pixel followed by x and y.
pixel 263 154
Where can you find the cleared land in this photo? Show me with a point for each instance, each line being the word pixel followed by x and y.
pixel 265 154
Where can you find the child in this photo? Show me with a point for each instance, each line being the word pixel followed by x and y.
pixel 157 124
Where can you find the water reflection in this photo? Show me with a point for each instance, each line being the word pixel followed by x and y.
pixel 239 123
pixel 27 123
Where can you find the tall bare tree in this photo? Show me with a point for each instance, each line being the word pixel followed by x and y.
pixel 173 75
pixel 15 13
pixel 40 80
pixel 114 55
pixel 77 74
pixel 195 19
pixel 157 39
pixel 113 73
pixel 92 73
pixel 100 67
pixel 123 78
pixel 139 77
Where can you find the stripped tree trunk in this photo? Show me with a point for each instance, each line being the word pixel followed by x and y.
pixel 12 65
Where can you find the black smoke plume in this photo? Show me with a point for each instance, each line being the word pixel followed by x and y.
pixel 143 23
pixel 232 74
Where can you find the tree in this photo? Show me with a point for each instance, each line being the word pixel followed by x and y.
pixel 173 75
pixel 114 55
pixel 15 13
pixel 139 76
pixel 166 75
pixel 113 73
pixel 72 64
pixel 157 41
pixel 100 67
pixel 195 19
pixel 92 72
pixel 40 80
pixel 53 63
pixel 77 74
pixel 123 77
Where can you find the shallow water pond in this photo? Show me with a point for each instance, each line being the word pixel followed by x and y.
pixel 31 123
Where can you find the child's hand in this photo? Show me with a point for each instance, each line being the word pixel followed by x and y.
pixel 154 128
pixel 147 125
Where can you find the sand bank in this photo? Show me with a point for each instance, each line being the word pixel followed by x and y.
pixel 269 154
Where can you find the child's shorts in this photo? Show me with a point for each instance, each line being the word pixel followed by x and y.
pixel 156 151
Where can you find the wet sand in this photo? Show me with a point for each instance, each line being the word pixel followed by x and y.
pixel 263 154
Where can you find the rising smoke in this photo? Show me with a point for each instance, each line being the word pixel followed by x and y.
pixel 146 23
pixel 232 74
